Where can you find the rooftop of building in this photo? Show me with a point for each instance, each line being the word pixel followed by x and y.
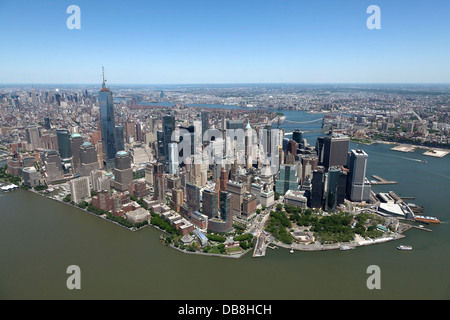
pixel 295 193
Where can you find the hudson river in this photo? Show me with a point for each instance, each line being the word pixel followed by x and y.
pixel 40 238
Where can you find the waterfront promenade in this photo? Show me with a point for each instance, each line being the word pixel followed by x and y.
pixel 317 246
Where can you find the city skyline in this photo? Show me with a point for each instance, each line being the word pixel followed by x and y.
pixel 234 43
pixel 134 132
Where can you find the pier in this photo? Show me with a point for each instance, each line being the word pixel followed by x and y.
pixel 260 248
pixel 422 228
pixel 381 180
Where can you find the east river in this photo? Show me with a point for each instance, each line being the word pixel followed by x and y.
pixel 40 238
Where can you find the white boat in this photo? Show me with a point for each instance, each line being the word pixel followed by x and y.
pixel 343 248
pixel 403 247
pixel 9 187
pixel 292 250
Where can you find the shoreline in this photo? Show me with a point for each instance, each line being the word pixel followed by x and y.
pixel 297 247
pixel 337 246
pixel 235 256
pixel 412 146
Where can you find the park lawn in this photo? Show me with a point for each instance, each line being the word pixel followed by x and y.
pixel 214 250
pixel 234 249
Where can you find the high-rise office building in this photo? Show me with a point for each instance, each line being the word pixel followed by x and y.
pixel 53 166
pixel 47 123
pixel 358 187
pixel 332 188
pixel 177 199
pixel 193 197
pixel 292 147
pixel 105 99
pixel 320 146
pixel 287 179
pixel 80 189
pixel 342 187
pixel 33 137
pixel 139 133
pixel 335 150
pixel 75 143
pixel 234 124
pixel 168 126
pixel 223 179
pixel 123 173
pixel 103 201
pixel 204 116
pixel 88 159
pixel 158 186
pixel 237 191
pixel 226 209
pixel 187 134
pixel 130 131
pixel 297 136
pixel 149 172
pixel 49 141
pixel 248 205
pixel 210 202
pixel 63 137
pixel 223 222
pixel 160 145
pixel 95 176
pixel 120 142
pixel 268 140
pixel 316 196
pixel 173 158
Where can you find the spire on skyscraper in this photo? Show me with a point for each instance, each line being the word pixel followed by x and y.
pixel 104 80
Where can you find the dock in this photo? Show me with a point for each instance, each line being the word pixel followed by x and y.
pixel 403 227
pixel 381 181
pixel 260 248
pixel 422 228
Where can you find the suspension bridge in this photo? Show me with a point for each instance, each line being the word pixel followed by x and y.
pixel 304 122
pixel 321 130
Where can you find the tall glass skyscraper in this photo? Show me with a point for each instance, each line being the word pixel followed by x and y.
pixel 335 150
pixel 204 116
pixel 287 179
pixel 63 137
pixel 358 185
pixel 173 158
pixel 119 138
pixel 168 125
pixel 105 100
pixel 333 181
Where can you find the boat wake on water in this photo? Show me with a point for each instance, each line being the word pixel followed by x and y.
pixel 411 159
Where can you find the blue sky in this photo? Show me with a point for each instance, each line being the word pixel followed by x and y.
pixel 246 41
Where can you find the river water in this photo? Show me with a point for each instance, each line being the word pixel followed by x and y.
pixel 40 238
